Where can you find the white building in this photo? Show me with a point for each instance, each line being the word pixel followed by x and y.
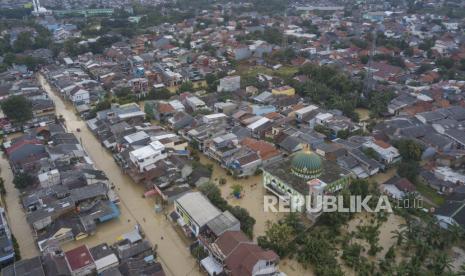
pixel 80 96
pixel 229 84
pixel 195 103
pixel 144 158
pixel 50 178
pixel 386 152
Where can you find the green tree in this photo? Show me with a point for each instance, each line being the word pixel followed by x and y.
pixel 278 237
pixel 23 42
pixel 160 94
pixel 2 186
pixel 213 193
pixel 16 248
pixel 409 149
pixel 359 187
pixel 187 42
pixel 17 109
pixel 23 180
pixel 409 170
pixel 247 221
pixel 149 112
pixel 186 86
pixel 351 255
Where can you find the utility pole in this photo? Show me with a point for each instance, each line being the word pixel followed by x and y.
pixel 368 83
pixel 286 23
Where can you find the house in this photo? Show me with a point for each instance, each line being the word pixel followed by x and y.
pixel 80 262
pixel 25 148
pixel 144 158
pixel 452 212
pixel 241 52
pixel 195 103
pixel 49 178
pixel 7 253
pixel 229 84
pixel 193 211
pixel 235 254
pixel 398 187
pixel 104 257
pixel 301 113
pixel 227 108
pixel 283 90
pixel 25 267
pixel 79 96
pixel 386 152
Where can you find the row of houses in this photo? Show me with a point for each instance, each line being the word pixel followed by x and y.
pixel 131 255
pixel 230 251
pixel 64 196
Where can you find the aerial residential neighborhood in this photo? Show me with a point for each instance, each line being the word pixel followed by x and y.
pixel 214 137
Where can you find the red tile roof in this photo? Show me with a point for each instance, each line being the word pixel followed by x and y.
pixel 21 143
pixel 243 259
pixel 405 185
pixel 229 240
pixel 79 257
pixel 165 108
pixel 264 149
pixel 241 254
pixel 382 144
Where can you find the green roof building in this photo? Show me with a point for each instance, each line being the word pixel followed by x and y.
pixel 304 175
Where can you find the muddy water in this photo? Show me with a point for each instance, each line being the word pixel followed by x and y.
pixel 386 238
pixel 15 213
pixel 252 195
pixel 172 249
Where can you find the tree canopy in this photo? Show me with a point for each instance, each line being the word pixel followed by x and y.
pixel 17 109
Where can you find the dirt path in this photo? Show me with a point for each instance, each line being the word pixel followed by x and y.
pixel 172 249
pixel 15 213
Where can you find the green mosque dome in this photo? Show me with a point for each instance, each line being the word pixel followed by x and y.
pixel 307 165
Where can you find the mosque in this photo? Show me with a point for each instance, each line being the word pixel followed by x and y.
pixel 304 175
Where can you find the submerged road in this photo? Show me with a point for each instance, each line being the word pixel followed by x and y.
pixel 172 250
pixel 15 213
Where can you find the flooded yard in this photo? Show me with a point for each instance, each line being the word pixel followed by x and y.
pixel 252 200
pixel 252 195
pixel 172 249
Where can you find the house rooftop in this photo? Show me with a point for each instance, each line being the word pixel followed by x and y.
pixel 198 207
pixel 78 258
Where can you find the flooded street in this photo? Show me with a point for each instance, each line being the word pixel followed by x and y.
pixel 15 213
pixel 172 249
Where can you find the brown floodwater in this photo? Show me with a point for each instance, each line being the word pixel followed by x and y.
pixel 252 200
pixel 15 213
pixel 173 249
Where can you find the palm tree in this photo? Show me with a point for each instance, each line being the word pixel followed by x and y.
pixel 399 235
pixel 441 263
pixel 462 270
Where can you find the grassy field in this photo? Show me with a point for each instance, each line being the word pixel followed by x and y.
pixel 430 193
pixel 252 71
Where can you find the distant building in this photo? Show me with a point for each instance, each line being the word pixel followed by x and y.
pixel 283 90
pixel 7 253
pixel 303 176
pixel 229 84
